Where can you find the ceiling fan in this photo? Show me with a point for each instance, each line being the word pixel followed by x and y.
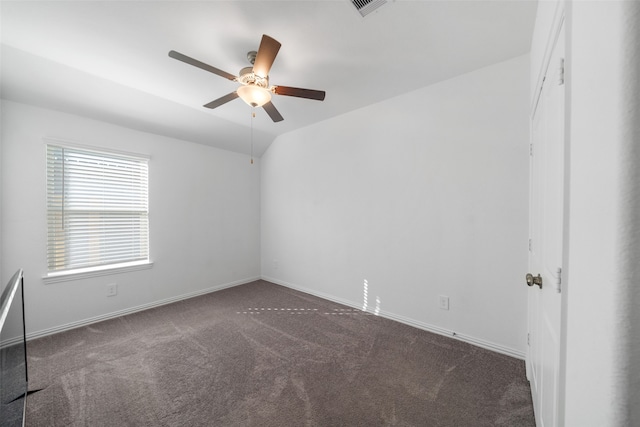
pixel 254 89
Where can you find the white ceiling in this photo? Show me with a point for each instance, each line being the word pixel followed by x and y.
pixel 109 60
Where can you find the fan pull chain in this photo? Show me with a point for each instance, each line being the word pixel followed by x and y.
pixel 253 114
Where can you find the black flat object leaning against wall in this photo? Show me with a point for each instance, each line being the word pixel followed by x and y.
pixel 13 353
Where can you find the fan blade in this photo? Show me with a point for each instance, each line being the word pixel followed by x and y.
pixel 272 112
pixel 222 100
pixel 202 65
pixel 267 52
pixel 318 95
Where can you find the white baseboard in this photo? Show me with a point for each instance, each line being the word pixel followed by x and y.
pixel 388 315
pixel 407 321
pixel 80 323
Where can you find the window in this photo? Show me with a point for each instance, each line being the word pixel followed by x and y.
pixel 97 209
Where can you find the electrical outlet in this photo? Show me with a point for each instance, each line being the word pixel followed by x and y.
pixel 275 264
pixel 112 289
pixel 443 302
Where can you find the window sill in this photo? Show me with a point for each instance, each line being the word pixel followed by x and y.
pixel 85 273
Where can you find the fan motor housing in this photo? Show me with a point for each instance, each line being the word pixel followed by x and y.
pixel 248 77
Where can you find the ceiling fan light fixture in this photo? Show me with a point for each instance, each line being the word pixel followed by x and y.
pixel 255 89
pixel 253 95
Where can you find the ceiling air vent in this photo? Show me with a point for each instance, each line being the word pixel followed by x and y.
pixel 365 7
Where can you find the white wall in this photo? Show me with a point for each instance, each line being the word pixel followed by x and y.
pixel 204 218
pixel 423 195
pixel 2 284
pixel 603 305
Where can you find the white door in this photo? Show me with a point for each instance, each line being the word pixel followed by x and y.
pixel 546 229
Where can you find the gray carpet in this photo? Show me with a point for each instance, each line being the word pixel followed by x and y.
pixel 264 355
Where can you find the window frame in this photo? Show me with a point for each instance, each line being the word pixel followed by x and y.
pixel 105 269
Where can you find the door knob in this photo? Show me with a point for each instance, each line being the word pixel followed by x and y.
pixel 534 280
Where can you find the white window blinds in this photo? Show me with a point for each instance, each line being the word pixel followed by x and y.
pixel 97 209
